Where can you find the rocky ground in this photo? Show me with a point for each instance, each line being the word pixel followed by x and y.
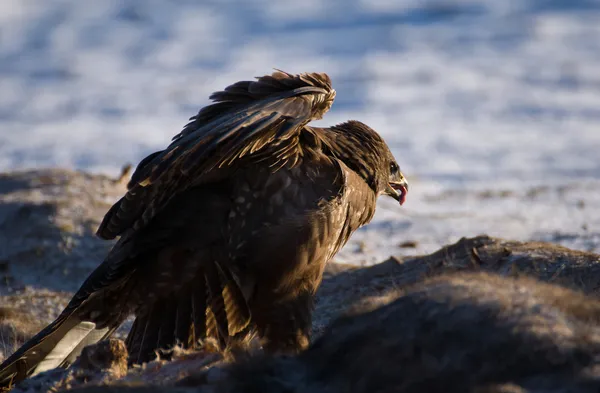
pixel 47 247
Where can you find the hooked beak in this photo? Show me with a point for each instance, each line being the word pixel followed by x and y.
pixel 398 188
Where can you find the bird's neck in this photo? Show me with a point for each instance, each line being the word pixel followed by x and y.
pixel 353 151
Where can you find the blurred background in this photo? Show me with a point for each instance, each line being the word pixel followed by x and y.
pixel 492 107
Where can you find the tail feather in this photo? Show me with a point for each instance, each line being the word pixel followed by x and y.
pixel 183 323
pixel 236 305
pixel 161 327
pixel 55 346
pixel 216 304
pixel 212 306
pixel 69 347
pixel 147 333
pixel 212 330
pixel 132 340
pixel 199 305
pixel 166 323
pixel 167 328
pixel 95 336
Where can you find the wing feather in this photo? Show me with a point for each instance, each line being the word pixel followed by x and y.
pixel 255 120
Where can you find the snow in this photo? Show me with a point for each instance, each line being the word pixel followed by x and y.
pixel 491 107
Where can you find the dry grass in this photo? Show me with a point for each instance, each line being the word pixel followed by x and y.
pixel 15 328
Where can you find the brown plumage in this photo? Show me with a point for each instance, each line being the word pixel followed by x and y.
pixel 228 229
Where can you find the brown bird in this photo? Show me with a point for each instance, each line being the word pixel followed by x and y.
pixel 227 231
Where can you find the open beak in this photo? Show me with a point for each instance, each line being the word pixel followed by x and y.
pixel 398 189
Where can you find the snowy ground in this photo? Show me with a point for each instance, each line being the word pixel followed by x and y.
pixel 491 107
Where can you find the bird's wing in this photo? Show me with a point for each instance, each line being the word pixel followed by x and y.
pixel 154 258
pixel 250 120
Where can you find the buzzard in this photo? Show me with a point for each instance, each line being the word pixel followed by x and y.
pixel 227 231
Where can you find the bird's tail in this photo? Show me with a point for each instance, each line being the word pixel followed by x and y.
pixel 57 345
pixel 213 305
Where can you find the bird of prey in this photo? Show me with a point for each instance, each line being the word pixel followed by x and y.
pixel 227 230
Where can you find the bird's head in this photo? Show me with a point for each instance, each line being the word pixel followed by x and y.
pixel 397 186
pixel 366 153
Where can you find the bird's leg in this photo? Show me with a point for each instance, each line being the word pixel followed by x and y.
pixel 286 325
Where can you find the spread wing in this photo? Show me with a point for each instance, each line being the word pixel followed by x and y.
pixel 250 121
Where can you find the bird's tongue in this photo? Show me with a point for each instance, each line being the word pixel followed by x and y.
pixel 403 193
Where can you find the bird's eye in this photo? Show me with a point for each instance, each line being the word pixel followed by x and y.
pixel 394 168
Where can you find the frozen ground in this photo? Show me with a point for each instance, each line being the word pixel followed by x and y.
pixel 491 107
